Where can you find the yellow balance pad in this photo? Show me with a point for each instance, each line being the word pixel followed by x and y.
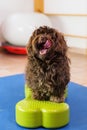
pixel 33 113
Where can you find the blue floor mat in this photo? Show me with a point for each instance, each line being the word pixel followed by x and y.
pixel 12 91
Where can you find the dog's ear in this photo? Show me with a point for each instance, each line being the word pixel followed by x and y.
pixel 61 44
pixel 29 46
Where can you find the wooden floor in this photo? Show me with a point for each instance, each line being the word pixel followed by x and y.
pixel 14 64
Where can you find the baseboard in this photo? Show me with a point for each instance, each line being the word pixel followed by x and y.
pixel 78 50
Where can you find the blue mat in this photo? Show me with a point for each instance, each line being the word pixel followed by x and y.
pixel 12 91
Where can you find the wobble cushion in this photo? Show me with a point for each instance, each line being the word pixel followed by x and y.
pixel 32 113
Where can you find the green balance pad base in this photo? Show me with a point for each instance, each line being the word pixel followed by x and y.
pixel 33 113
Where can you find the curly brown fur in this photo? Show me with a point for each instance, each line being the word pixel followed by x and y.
pixel 47 71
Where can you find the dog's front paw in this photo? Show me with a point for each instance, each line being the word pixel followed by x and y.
pixel 57 99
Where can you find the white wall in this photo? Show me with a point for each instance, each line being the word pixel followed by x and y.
pixel 72 25
pixel 71 19
pixel 65 6
pixel 8 7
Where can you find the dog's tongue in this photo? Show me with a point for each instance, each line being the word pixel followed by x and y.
pixel 46 46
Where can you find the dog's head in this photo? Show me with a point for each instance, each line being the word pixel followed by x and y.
pixel 45 42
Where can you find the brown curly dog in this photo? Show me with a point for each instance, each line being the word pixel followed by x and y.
pixel 47 70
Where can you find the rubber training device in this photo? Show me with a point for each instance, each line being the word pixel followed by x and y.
pixel 32 113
